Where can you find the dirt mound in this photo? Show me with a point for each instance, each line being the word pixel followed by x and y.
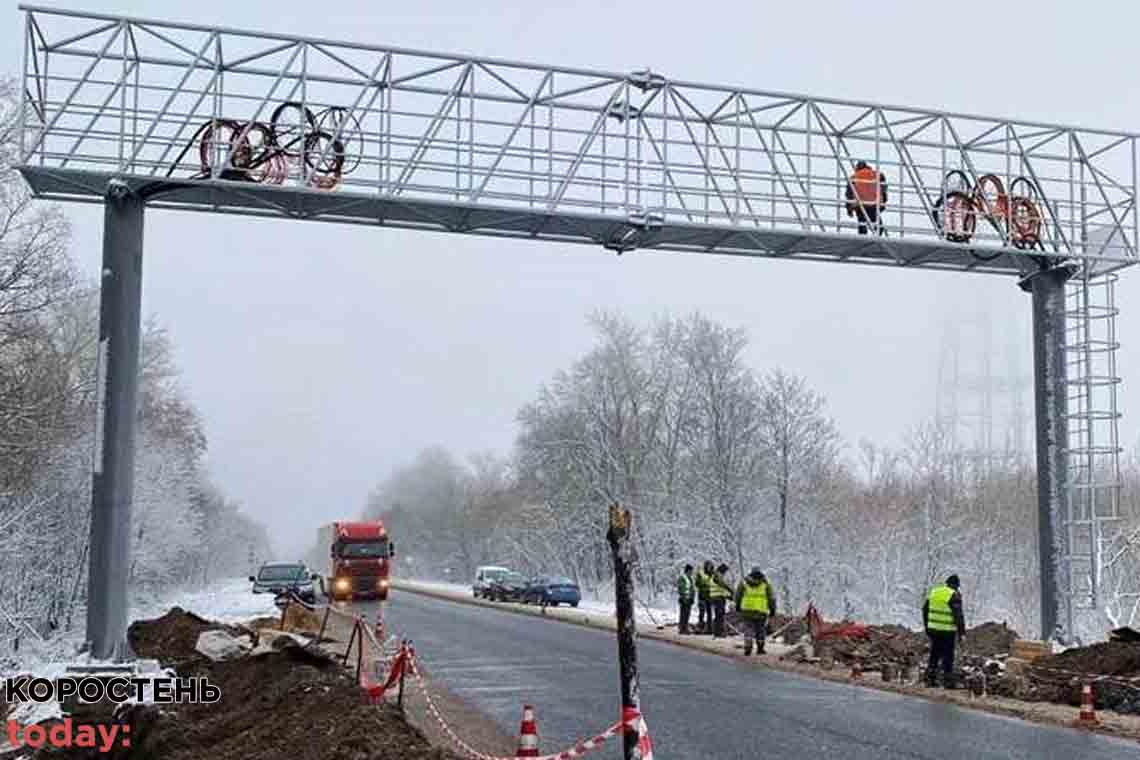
pixel 893 642
pixel 299 618
pixel 989 640
pixel 172 637
pixel 292 703
pixel 1110 658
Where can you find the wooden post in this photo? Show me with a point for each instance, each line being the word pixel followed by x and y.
pixel 621 550
pixel 359 652
pixel 351 640
pixel 403 670
pixel 324 623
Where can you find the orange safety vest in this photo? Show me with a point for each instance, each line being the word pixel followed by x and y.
pixel 866 184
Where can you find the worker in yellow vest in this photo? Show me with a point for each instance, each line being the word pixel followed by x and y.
pixel 945 623
pixel 719 593
pixel 704 609
pixel 686 592
pixel 756 602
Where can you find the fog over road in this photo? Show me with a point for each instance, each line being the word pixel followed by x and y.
pixel 698 705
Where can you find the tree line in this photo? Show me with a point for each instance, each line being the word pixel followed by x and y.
pixel 183 527
pixel 720 461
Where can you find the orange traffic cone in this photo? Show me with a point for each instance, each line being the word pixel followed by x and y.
pixel 528 734
pixel 1087 718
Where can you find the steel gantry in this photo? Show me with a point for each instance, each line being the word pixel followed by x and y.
pixel 138 113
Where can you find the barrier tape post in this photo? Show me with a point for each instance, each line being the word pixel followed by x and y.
pixel 348 649
pixel 359 650
pixel 324 623
pixel 408 652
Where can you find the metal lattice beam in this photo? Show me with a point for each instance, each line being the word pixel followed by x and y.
pixel 493 147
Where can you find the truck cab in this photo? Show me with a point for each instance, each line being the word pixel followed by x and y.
pixel 360 556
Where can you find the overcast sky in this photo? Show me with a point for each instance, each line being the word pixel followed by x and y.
pixel 322 357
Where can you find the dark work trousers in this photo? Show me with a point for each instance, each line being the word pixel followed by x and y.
pixel 759 625
pixel 686 606
pixel 941 653
pixel 759 630
pixel 868 215
pixel 718 617
pixel 704 615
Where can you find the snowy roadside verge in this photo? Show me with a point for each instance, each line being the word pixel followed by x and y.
pixel 1112 723
pixel 645 614
pixel 652 623
pixel 228 601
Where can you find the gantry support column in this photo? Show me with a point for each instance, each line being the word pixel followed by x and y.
pixel 120 304
pixel 1051 405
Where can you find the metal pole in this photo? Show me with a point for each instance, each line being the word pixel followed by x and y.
pixel 621 550
pixel 1048 290
pixel 120 301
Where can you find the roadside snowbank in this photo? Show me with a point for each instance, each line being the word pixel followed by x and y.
pixel 602 605
pixel 226 601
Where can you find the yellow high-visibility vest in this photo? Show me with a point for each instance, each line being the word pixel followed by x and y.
pixel 939 616
pixel 717 590
pixel 755 598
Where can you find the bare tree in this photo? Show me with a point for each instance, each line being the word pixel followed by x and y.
pixel 797 434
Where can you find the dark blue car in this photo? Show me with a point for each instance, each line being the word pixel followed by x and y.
pixel 552 590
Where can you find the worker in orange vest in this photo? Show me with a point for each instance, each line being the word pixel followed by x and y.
pixel 866 196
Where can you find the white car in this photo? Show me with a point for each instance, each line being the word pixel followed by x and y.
pixel 484 575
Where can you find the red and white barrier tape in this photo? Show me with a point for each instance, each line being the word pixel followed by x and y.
pixel 632 720
pixel 405 661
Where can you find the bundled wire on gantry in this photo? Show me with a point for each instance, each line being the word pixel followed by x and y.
pixel 262 153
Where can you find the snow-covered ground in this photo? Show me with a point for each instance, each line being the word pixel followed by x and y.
pixel 646 614
pixel 226 601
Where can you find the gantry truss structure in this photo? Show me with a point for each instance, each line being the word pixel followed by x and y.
pixel 475 145
pixel 199 117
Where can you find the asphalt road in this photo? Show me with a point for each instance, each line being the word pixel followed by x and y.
pixel 701 706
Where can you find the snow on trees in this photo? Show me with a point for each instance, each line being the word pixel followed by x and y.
pixel 48 336
pixel 723 461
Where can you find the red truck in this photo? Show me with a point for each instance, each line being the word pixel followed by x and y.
pixel 360 558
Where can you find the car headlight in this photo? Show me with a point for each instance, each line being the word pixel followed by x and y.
pixel 342 584
pixel 383 583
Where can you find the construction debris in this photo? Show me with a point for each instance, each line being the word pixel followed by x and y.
pixel 219 645
pixel 292 702
pixel 984 663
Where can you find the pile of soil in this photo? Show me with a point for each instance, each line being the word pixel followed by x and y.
pixel 894 645
pixel 1110 658
pixel 171 638
pixel 1060 678
pixel 890 645
pixel 291 703
pixel 989 640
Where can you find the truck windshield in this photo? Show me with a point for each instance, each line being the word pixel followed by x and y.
pixel 364 550
pixel 282 573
